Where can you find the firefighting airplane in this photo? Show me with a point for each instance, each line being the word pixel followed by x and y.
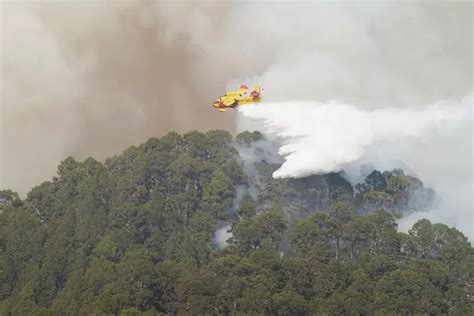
pixel 239 97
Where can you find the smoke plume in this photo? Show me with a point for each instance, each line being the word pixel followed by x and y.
pixel 89 78
pixel 221 236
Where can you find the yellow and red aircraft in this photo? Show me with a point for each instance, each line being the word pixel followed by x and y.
pixel 239 97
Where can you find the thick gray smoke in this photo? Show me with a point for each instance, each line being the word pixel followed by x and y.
pixel 91 78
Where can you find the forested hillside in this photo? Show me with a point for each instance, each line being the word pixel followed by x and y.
pixel 136 235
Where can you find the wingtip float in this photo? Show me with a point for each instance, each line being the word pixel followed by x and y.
pixel 239 97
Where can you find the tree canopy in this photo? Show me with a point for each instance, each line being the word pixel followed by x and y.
pixel 135 236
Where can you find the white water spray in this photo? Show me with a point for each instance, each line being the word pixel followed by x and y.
pixel 325 137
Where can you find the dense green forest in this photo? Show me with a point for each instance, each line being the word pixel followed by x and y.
pixel 136 235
